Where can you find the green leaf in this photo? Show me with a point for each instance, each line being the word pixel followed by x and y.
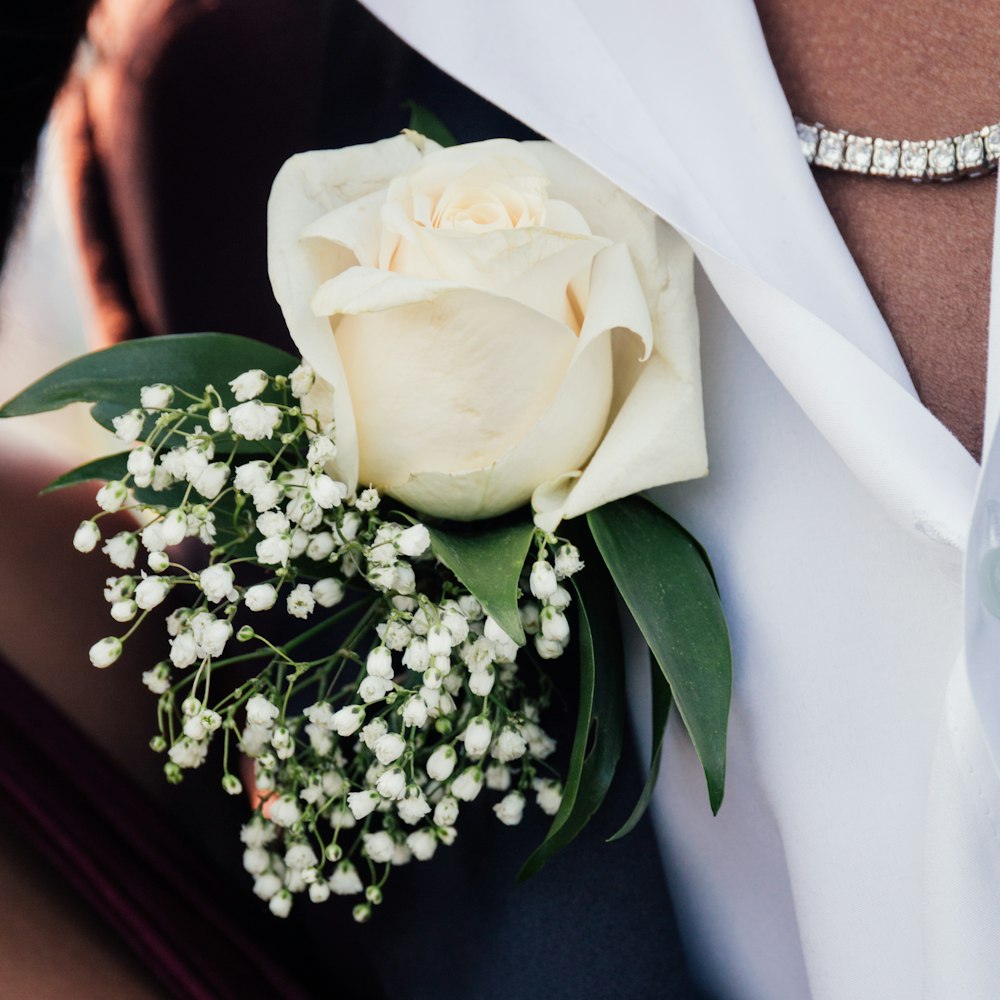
pixel 663 579
pixel 116 375
pixel 115 467
pixel 600 721
pixel 427 123
pixel 661 712
pixel 488 562
pixel 105 468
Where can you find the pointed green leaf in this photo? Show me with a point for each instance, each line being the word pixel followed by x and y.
pixel 600 726
pixel 665 583
pixel 427 123
pixel 488 561
pixel 660 697
pixel 116 374
pixel 104 468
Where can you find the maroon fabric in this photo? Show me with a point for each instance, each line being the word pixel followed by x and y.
pixel 97 829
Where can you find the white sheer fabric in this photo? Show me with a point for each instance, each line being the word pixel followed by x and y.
pixel 856 855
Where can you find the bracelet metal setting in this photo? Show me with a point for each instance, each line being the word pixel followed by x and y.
pixel 974 154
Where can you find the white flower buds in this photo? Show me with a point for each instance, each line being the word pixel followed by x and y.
pixel 441 763
pixel 249 385
pixel 478 735
pixel 156 397
pixel 104 652
pixel 86 537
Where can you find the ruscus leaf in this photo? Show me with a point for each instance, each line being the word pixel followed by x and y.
pixel 600 722
pixel 427 123
pixel 488 561
pixel 660 697
pixel 116 374
pixel 667 587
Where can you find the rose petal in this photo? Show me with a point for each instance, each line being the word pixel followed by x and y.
pixel 657 433
pixel 558 444
pixel 308 187
pixel 414 414
pixel 355 226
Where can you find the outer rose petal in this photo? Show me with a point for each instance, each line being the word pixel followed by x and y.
pixel 414 416
pixel 578 414
pixel 307 187
pixel 656 432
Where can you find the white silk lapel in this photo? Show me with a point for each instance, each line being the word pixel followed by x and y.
pixel 679 104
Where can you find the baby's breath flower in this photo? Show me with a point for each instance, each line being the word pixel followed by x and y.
pixel 173 527
pixel 300 602
pixel 249 385
pixel 321 450
pixel 188 753
pixel 326 492
pixel 413 807
pixel 328 592
pixel 280 904
pixel 478 735
pixel 285 812
pixel 122 549
pixel 414 541
pixel 391 784
pixel 112 495
pixel 560 599
pixel 415 712
pixel 261 711
pixel 140 464
pixel 423 844
pixel 254 420
pixel 379 663
pixel 128 426
pixel 301 380
pixel 362 804
pixel 260 597
pixel 367 500
pixel 441 763
pixel 542 581
pixel 371 734
pixel 211 480
pixel 157 680
pixel 468 784
pixel 373 689
pixel 275 550
pixel 378 846
pixel 87 536
pixel 156 397
pixel 481 681
pixel 548 795
pixel 345 880
pixel 217 582
pixel 567 561
pixel 389 748
pixel 498 777
pixel 548 649
pixel 347 721
pixel 124 611
pixel 104 652
pixel 510 809
pixel 446 811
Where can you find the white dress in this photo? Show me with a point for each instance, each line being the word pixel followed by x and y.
pixel 856 855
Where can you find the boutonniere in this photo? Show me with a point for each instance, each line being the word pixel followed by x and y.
pixel 380 558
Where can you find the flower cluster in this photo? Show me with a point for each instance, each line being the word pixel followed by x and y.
pixel 397 700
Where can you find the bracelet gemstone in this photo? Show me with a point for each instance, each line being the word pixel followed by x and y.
pixel 973 154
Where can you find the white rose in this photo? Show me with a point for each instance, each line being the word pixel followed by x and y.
pixel 497 323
